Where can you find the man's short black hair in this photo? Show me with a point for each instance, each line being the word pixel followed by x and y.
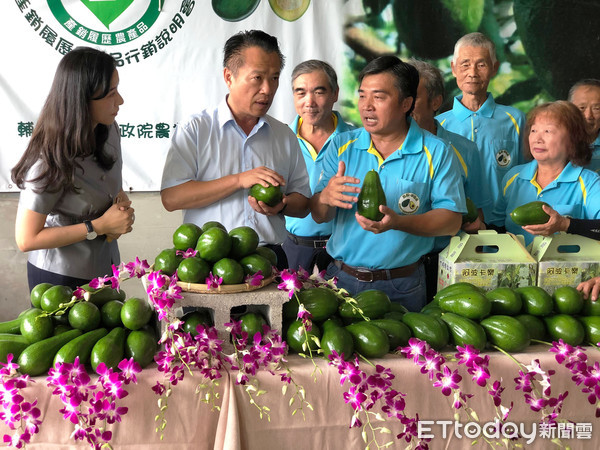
pixel 406 77
pixel 232 52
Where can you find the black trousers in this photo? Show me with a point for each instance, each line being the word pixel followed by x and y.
pixel 35 276
pixel 282 262
pixel 430 261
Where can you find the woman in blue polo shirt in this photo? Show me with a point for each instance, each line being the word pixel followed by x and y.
pixel 559 145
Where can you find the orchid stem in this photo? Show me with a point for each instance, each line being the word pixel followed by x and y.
pixel 537 341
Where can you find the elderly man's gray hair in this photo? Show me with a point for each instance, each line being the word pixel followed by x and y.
pixel 315 65
pixel 591 82
pixel 434 80
pixel 475 40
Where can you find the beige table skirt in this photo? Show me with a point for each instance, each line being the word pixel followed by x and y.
pixel 192 424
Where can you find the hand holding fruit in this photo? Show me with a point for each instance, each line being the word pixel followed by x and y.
pixel 381 226
pixel 261 175
pixel 334 193
pixel 267 199
pixel 264 208
pixel 473 227
pixel 555 223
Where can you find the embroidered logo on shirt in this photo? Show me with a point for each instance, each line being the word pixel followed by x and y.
pixel 503 158
pixel 409 203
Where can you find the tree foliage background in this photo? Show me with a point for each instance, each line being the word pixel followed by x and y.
pixel 544 46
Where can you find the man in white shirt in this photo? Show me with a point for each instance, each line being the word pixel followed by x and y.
pixel 217 155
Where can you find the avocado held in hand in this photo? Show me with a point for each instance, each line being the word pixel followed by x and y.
pixel 472 212
pixel 271 195
pixel 371 197
pixel 530 213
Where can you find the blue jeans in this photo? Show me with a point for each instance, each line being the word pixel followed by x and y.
pixel 408 291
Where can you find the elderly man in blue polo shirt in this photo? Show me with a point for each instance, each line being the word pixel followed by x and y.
pixel 496 129
pixel 217 155
pixel 585 94
pixel 315 89
pixel 420 177
pixel 430 95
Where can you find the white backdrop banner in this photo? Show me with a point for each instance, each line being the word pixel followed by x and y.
pixel 169 54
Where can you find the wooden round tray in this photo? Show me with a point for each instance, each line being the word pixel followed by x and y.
pixel 224 288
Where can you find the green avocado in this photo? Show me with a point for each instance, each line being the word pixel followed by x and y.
pixel 530 214
pixel 472 212
pixel 271 195
pixel 371 197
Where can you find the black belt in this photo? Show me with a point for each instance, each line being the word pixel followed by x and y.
pixel 309 241
pixel 368 275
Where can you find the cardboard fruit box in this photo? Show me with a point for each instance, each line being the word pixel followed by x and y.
pixel 565 260
pixel 487 259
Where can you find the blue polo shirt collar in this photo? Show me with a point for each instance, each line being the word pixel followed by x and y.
pixel 569 174
pixel 462 112
pixel 294 124
pixel 363 141
pixel 413 142
pixel 528 170
pixel 441 132
pixel 338 117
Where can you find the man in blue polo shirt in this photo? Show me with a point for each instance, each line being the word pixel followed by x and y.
pixel 475 115
pixel 218 155
pixel 585 94
pixel 420 178
pixel 430 95
pixel 315 89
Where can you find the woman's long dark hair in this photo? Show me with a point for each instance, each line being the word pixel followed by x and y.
pixel 63 132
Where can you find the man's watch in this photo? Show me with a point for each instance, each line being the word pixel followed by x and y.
pixel 91 234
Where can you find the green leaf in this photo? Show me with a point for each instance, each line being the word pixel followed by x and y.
pixel 468 12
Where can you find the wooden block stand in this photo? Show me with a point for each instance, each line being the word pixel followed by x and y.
pixel 268 301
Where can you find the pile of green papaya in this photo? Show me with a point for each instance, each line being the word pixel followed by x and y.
pixel 104 328
pixel 460 314
pixel 338 325
pixel 510 318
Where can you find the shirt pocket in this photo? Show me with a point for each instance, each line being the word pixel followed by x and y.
pixel 505 153
pixel 408 197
